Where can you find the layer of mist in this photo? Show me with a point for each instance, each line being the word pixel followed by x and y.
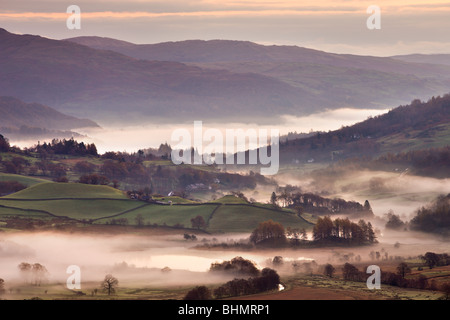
pixel 131 138
pixel 139 260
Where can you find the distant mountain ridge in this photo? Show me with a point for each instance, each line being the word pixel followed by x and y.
pixel 217 80
pixel 213 51
pixel 342 80
pixel 106 85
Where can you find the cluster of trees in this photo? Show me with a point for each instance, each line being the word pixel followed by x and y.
pixel 192 237
pixel 394 222
pixel 15 165
pixel 65 147
pixel 20 165
pixel 326 231
pixel 236 266
pixel 290 197
pixel 317 204
pixel 257 281
pixel 268 279
pixel 435 218
pixel 269 233
pixel 33 273
pixel 432 259
pixel 2 286
pixel 343 231
pixel 119 170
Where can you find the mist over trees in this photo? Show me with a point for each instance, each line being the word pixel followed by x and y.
pixel 33 273
pixel 267 279
pixel 256 281
pixel 434 218
pixel 343 231
pixel 237 266
pixel 291 197
pixel 2 286
pixel 329 270
pixel 394 222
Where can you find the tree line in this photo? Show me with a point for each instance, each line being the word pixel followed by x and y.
pixel 325 232
pixel 343 231
pixel 292 197
pixel 257 281
pixel 65 147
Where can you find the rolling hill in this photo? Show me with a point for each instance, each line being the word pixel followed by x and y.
pixel 341 80
pixel 101 205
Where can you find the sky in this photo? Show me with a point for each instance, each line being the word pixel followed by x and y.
pixel 407 26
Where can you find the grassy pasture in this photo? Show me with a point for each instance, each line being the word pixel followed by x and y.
pixel 51 190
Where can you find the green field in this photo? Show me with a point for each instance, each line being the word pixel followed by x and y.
pixel 229 199
pixel 52 190
pixel 76 209
pixel 168 215
pixel 101 204
pixel 245 218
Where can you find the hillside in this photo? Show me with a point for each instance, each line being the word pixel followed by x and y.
pixel 105 85
pixel 22 120
pixel 435 218
pixel 419 125
pixel 70 204
pixel 341 80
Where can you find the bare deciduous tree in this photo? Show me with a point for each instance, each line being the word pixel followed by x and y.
pixel 109 284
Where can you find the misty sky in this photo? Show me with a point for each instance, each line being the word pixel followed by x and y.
pixel 408 26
